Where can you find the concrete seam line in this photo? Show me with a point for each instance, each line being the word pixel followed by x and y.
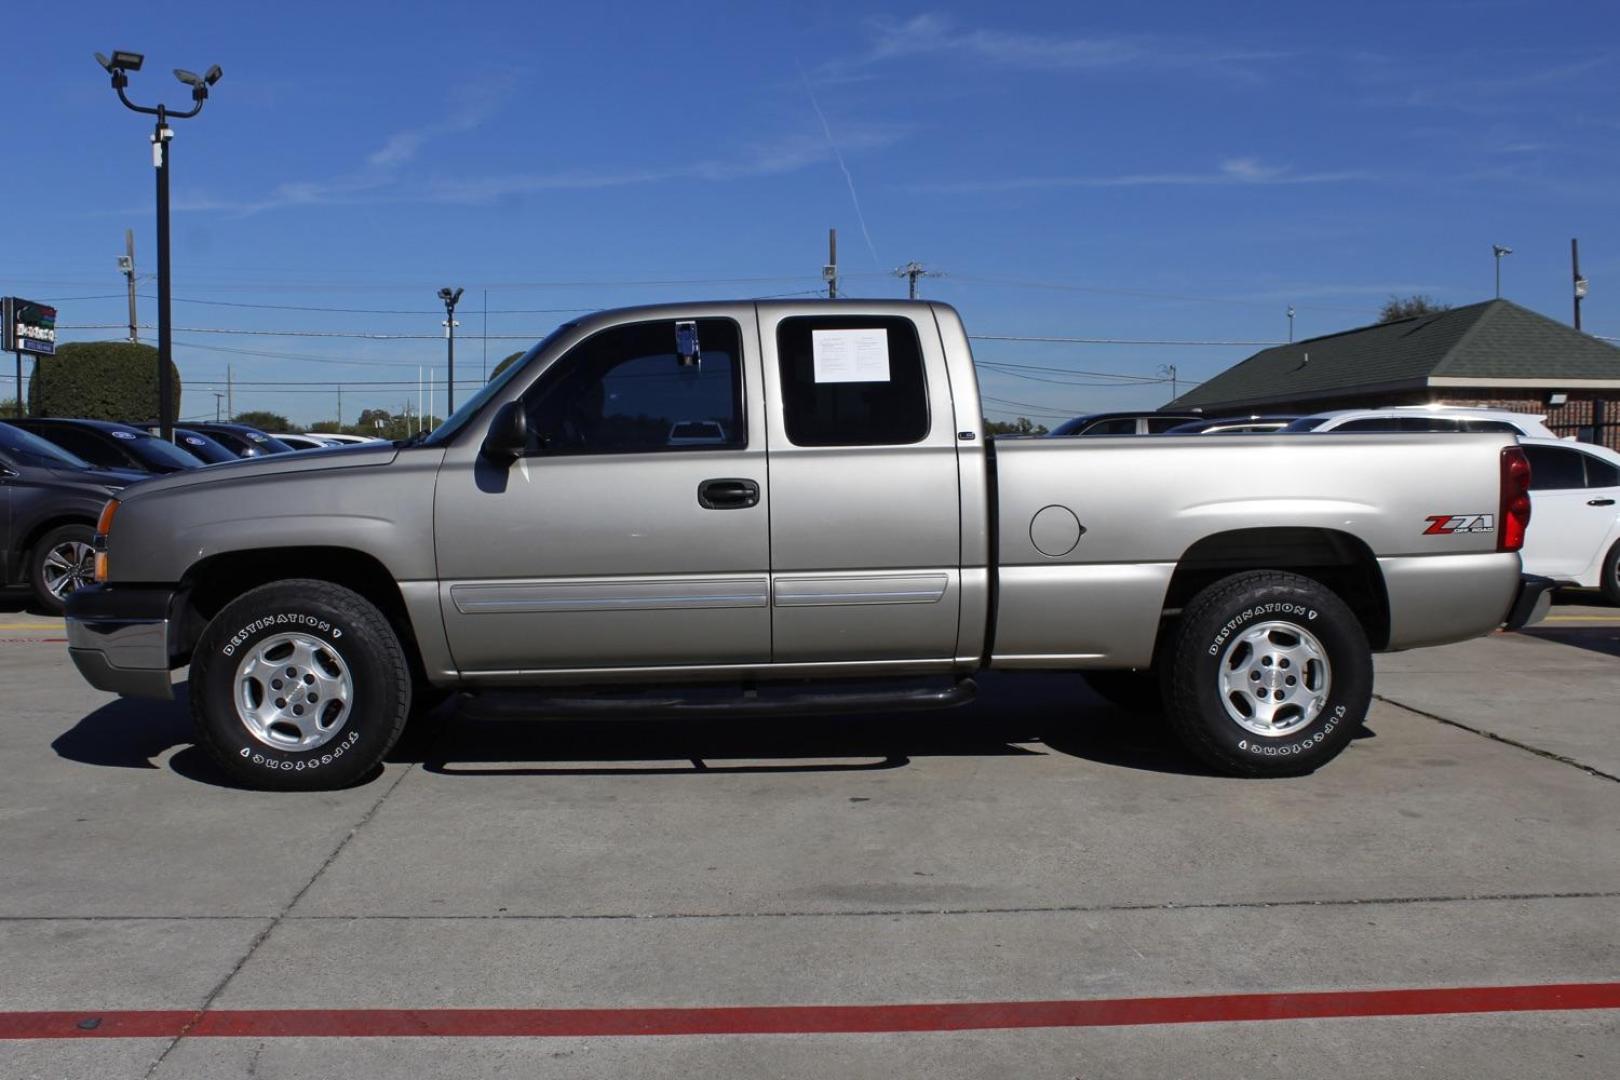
pixel 680 916
pixel 260 938
pixel 810 1019
pixel 1516 744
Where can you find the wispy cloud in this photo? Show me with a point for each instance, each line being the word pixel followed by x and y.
pixel 934 35
pixel 472 104
pixel 1231 172
pixel 475 103
pixel 775 157
pixel 383 176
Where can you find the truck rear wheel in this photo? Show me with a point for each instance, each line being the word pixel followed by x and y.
pixel 1271 675
pixel 299 685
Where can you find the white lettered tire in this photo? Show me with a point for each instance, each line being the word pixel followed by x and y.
pixel 1270 675
pixel 299 685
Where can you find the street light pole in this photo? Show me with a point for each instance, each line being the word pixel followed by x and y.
pixel 1499 250
pixel 119 66
pixel 450 296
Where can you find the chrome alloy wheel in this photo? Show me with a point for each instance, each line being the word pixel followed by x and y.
pixel 1275 678
pixel 69 567
pixel 293 692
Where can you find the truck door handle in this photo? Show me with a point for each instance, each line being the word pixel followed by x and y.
pixel 1599 502
pixel 728 494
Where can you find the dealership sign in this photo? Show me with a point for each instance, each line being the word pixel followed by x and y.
pixel 28 327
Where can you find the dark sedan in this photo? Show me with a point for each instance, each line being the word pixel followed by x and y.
pixel 49 502
pixel 242 440
pixel 111 446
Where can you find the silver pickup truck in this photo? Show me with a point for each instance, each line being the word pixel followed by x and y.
pixel 789 508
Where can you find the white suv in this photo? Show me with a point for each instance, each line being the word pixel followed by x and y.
pixel 1574 514
pixel 1425 418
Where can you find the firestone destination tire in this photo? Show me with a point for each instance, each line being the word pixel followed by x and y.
pixel 1271 675
pixel 299 685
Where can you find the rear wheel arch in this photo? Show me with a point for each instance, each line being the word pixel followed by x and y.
pixel 1339 561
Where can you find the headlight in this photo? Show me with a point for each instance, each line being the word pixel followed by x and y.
pixel 103 527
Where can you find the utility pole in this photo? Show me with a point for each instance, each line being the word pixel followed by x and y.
pixel 230 394
pixel 1580 282
pixel 829 273
pixel 126 264
pixel 217 398
pixel 1290 322
pixel 1169 370
pixel 340 406
pixel 911 272
pixel 486 335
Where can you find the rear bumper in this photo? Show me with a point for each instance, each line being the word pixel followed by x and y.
pixel 120 638
pixel 1530 606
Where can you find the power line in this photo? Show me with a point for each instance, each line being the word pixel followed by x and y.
pixel 1066 371
pixel 1113 341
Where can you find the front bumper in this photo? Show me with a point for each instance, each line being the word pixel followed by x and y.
pixel 121 637
pixel 1535 597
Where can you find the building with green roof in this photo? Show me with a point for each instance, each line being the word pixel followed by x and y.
pixel 1494 354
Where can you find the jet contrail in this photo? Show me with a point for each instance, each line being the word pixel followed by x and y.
pixel 826 129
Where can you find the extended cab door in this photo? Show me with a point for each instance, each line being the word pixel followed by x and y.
pixel 865 506
pixel 633 532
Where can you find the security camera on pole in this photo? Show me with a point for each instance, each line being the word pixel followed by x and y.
pixel 118 66
pixel 450 296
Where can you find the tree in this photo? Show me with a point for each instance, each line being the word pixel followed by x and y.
pixel 508 362
pixel 382 424
pixel 264 420
pixel 100 380
pixel 1021 426
pixel 326 427
pixel 1397 308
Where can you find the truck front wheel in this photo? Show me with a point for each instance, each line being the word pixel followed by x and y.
pixel 1271 675
pixel 299 685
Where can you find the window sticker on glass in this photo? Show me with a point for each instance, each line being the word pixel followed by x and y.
pixel 850 355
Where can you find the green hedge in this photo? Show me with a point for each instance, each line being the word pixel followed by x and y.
pixel 99 380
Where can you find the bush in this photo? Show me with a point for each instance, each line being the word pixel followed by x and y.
pixel 264 421
pixel 100 380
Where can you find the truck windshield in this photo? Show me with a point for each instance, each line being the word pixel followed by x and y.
pixel 30 449
pixel 441 435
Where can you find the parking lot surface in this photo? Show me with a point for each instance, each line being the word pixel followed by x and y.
pixel 1037 846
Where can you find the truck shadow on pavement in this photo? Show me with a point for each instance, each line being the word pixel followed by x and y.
pixel 1028 715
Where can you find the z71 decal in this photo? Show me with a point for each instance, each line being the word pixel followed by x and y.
pixel 1448 524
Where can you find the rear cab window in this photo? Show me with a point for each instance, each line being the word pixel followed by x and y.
pixel 852 380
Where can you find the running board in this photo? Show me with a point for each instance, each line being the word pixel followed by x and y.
pixel 700 701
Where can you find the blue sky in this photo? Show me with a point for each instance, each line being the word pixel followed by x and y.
pixel 1167 171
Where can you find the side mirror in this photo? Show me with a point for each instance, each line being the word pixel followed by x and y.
pixel 508 436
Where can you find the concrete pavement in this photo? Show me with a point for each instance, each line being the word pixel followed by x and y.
pixel 1037 845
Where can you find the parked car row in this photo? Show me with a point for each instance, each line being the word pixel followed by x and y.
pixel 56 475
pixel 1574 535
pixel 1395 419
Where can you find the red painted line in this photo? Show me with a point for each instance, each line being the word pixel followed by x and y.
pixel 802 1019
